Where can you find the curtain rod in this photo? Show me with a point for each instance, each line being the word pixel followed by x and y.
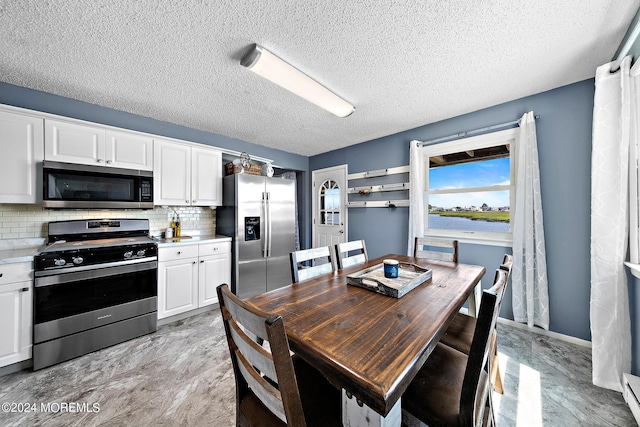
pixel 471 132
pixel 627 43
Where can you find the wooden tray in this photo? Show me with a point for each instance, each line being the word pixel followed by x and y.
pixel 372 278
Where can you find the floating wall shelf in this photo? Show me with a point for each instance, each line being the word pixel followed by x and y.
pixel 377 188
pixel 379 172
pixel 379 204
pixel 364 190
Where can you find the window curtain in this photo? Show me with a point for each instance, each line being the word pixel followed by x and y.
pixel 529 272
pixel 416 195
pixel 614 124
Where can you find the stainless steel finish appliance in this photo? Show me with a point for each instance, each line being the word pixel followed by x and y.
pixel 259 213
pixel 95 286
pixel 71 186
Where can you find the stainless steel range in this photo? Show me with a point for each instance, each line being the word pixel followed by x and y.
pixel 95 286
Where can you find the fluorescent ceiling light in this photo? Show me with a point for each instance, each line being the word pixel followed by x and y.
pixel 266 64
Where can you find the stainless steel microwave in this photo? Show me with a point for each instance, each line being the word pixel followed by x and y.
pixel 72 186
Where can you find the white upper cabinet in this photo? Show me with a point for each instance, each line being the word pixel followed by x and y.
pixel 186 175
pixel 129 150
pixel 73 143
pixel 171 173
pixel 206 177
pixel 21 142
pixel 92 145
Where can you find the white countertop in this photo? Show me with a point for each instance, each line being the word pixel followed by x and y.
pixel 11 256
pixel 23 250
pixel 186 239
pixel 19 250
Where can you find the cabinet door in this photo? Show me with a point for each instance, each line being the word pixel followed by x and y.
pixel 73 143
pixel 214 270
pixel 16 321
pixel 206 177
pixel 23 137
pixel 177 287
pixel 129 151
pixel 171 173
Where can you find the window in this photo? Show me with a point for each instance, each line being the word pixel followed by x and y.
pixel 470 186
pixel 329 203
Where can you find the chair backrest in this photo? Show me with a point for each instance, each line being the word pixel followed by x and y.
pixel 440 249
pixel 300 272
pixel 476 385
pixel 507 263
pixel 358 252
pixel 267 373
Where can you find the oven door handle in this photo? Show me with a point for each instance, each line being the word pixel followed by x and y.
pixel 66 276
pixel 73 269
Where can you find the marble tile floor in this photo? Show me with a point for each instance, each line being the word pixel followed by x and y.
pixel 181 376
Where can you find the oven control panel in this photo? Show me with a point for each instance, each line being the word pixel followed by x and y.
pixel 93 256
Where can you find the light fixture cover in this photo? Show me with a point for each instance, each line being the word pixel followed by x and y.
pixel 266 64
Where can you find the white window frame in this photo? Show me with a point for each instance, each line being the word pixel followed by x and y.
pixel 510 137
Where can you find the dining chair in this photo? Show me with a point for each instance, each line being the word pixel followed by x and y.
pixel 273 388
pixel 459 333
pixel 439 249
pixel 356 248
pixel 301 272
pixel 507 263
pixel 453 388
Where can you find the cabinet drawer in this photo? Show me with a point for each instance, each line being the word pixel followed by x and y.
pixel 16 272
pixel 177 252
pixel 214 248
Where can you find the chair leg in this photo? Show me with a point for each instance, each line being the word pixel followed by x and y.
pixel 489 417
pixel 496 379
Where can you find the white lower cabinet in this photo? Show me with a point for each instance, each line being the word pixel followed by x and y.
pixel 189 274
pixel 177 287
pixel 16 300
pixel 215 269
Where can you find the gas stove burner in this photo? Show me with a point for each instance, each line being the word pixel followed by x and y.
pixel 79 244
pixel 63 245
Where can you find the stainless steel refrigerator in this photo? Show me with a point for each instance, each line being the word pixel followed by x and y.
pixel 259 213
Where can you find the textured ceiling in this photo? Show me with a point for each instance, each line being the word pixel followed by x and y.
pixel 403 64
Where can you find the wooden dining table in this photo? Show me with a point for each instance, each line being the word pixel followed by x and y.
pixel 367 344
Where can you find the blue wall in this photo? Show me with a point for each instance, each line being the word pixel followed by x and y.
pixel 564 138
pixel 45 102
pixel 564 145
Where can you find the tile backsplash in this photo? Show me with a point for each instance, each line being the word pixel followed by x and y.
pixel 30 221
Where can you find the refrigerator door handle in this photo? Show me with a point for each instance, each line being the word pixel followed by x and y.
pixel 265 236
pixel 269 224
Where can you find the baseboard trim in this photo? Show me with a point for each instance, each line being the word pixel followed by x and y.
pixel 16 367
pixel 540 331
pixel 182 316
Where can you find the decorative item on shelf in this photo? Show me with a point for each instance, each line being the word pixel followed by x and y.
pixel 243 165
pixel 364 190
pixel 245 160
pixel 398 203
pixel 270 170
